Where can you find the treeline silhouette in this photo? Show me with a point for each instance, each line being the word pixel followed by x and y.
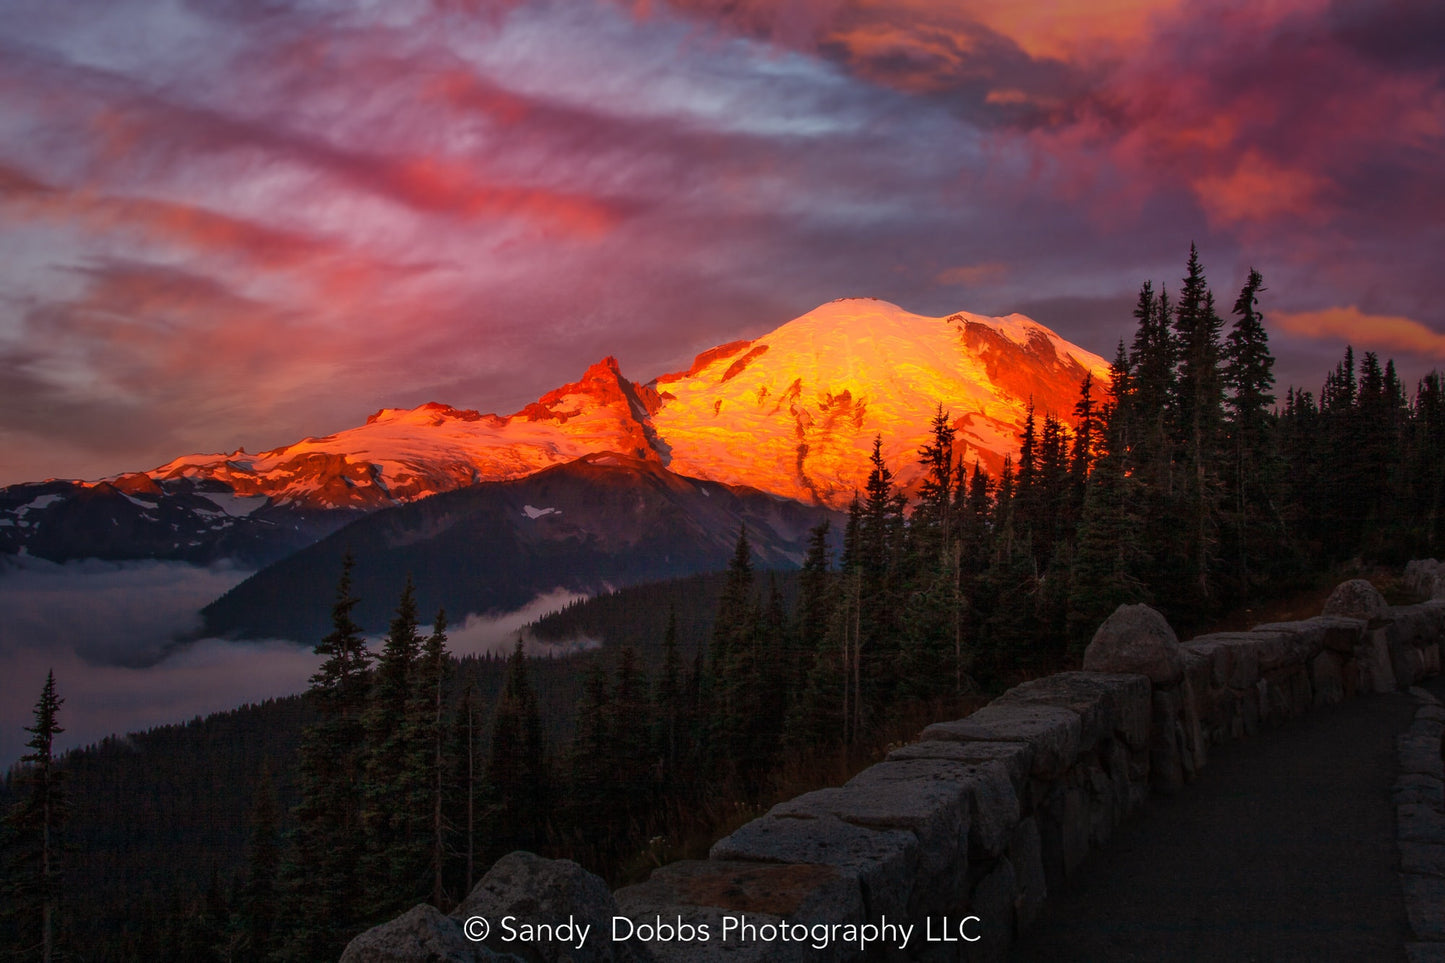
pixel 1183 482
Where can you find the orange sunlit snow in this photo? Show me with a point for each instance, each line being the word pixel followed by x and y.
pixel 793 413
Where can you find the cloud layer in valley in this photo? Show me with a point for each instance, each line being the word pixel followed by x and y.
pixel 108 630
pixel 238 224
pixel 110 633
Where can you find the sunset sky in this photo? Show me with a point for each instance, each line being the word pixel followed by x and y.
pixel 233 223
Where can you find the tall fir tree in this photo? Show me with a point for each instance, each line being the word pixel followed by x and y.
pixel 324 904
pixel 668 698
pixel 393 773
pixel 1255 525
pixel 518 777
pixel 32 885
pixel 1201 413
pixel 426 724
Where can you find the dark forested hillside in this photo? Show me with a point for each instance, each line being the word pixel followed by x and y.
pixel 585 526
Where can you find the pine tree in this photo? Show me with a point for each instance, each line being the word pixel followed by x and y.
pixel 1200 404
pixel 735 666
pixel 668 698
pixel 323 909
pixel 1086 443
pixel 733 606
pixel 464 776
pixel 878 588
pixel 1256 527
pixel 1424 456
pixel 629 751
pixel 930 527
pixel 1053 496
pixel 426 722
pixel 394 773
pixel 816 598
pixel 33 887
pixel 1106 564
pixel 518 778
pixel 594 810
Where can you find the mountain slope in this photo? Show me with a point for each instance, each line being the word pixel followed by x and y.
pixel 599 522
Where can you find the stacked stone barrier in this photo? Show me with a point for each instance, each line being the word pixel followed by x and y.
pixel 962 835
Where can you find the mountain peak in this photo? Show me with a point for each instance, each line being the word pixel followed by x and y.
pixel 432 413
pixel 796 413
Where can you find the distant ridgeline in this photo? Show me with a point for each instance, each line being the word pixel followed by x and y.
pixel 1181 485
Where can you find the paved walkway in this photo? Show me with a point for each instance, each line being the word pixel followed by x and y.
pixel 1283 849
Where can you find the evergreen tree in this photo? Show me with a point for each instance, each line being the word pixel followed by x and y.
pixel 1054 494
pixel 878 588
pixel 816 598
pixel 930 527
pixel 594 810
pixel 734 605
pixel 426 723
pixel 32 889
pixel 1200 401
pixel 464 776
pixel 1086 442
pixel 1256 529
pixel 671 720
pixel 201 936
pixel 629 751
pixel 324 906
pixel 395 771
pixel 1424 457
pixel 517 775
pixel 1108 559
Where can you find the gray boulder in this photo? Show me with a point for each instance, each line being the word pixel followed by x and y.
pixel 1136 639
pixel 1356 599
pixel 549 892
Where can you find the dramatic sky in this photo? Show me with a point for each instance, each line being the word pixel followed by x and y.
pixel 240 222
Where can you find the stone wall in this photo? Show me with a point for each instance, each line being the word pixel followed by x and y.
pixel 961 836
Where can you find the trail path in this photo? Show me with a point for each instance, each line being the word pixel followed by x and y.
pixel 1284 849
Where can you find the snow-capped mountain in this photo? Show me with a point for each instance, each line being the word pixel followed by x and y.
pixel 796 411
pixel 793 413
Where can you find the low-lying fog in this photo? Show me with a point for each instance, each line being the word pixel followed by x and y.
pixel 108 631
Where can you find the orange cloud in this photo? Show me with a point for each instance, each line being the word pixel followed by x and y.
pixel 1367 330
pixel 972 274
pixel 1053 29
pixel 1062 29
